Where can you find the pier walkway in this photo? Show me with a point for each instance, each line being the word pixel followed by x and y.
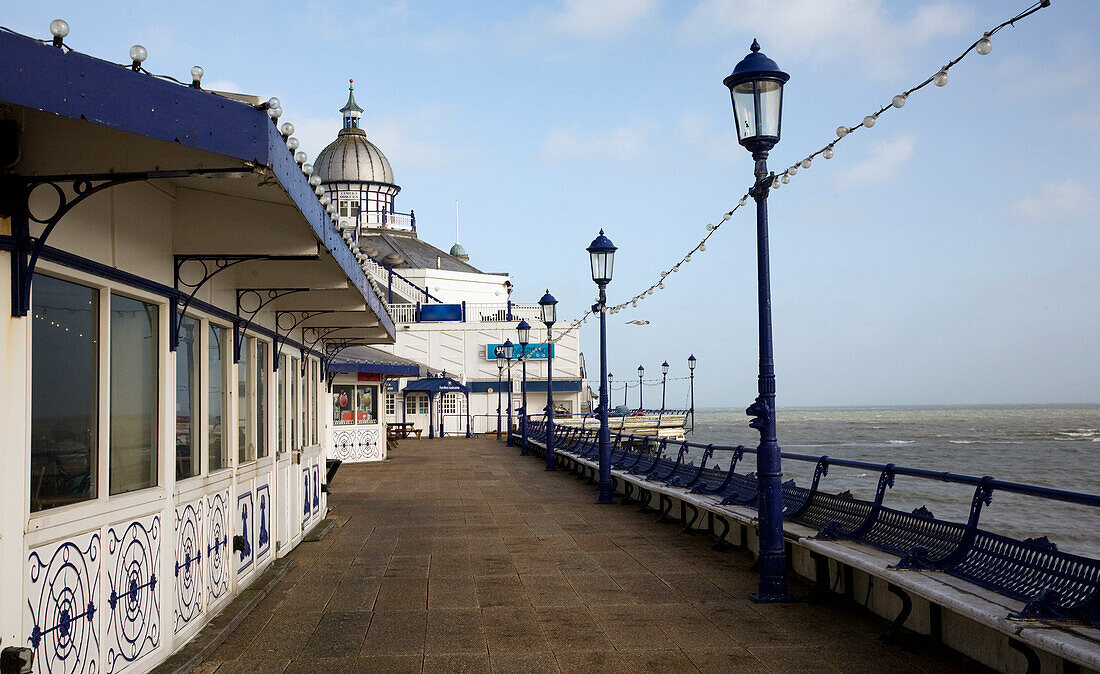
pixel 459 555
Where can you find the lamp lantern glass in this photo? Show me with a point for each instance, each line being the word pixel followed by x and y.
pixel 664 367
pixel 549 307
pixel 691 362
pixel 524 331
pixel 602 254
pixel 508 346
pixel 756 89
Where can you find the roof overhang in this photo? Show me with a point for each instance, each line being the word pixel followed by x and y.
pixel 121 121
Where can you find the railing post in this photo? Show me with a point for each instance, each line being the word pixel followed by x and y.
pixel 416 313
pixel 389 285
pixel 463 311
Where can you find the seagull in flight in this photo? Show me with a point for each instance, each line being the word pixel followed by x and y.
pixel 637 322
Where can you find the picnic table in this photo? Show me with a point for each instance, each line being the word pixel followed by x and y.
pixel 399 430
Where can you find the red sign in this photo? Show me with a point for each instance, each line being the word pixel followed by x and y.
pixel 366 376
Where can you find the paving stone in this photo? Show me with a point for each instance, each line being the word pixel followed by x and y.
pixel 459 555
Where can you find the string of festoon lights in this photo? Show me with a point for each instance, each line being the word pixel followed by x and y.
pixel 982 46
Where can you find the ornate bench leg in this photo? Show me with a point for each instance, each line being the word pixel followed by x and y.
pixel 721 545
pixel 689 526
pixel 1033 665
pixel 628 489
pixel 647 497
pixel 898 625
pixel 665 504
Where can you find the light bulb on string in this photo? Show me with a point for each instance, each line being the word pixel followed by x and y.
pixel 940 78
pixel 899 100
pixel 828 153
pixel 984 45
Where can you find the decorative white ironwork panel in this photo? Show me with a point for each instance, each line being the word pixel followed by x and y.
pixel 263 521
pixel 133 560
pixel 316 488
pixel 354 445
pixel 245 523
pixel 217 545
pixel 188 565
pixel 305 494
pixel 61 589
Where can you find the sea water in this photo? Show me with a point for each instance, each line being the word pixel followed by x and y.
pixel 1050 446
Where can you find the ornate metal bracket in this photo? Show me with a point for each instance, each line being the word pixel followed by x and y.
pixel 759 190
pixel 283 328
pixel 211 265
pixel 333 348
pixel 250 301
pixel 15 197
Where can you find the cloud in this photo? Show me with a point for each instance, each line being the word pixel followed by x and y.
pixel 622 143
pixel 828 31
pixel 882 162
pixel 409 141
pixel 600 18
pixel 703 139
pixel 1066 200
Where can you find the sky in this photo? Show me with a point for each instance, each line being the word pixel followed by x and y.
pixel 948 255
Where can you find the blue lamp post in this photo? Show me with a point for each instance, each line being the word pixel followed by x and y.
pixel 756 88
pixel 524 330
pixel 664 380
pixel 549 307
pixel 601 253
pixel 610 378
pixel 508 356
pixel 641 372
pixel 691 372
pixel 500 375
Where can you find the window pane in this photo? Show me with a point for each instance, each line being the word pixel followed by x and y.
pixel 295 387
pixel 423 397
pixel 410 404
pixel 64 393
pixel 366 405
pixel 281 416
pixel 187 390
pixel 744 110
pixel 771 95
pixel 311 389
pixel 391 404
pixel 133 394
pixel 262 366
pixel 343 404
pixel 246 451
pixel 215 374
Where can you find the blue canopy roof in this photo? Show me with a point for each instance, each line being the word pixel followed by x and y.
pixel 433 385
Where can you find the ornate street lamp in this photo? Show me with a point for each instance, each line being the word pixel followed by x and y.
pixel 664 380
pixel 610 378
pixel 691 372
pixel 524 331
pixel 602 256
pixel 641 372
pixel 549 307
pixel 756 88
pixel 500 375
pixel 508 356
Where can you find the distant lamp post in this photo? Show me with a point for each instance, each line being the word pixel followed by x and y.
pixel 508 357
pixel 500 375
pixel 664 380
pixel 691 372
pixel 549 307
pixel 610 378
pixel 601 253
pixel 641 373
pixel 524 331
pixel 756 88
pixel 508 289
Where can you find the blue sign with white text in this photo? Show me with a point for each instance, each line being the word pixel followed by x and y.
pixel 534 351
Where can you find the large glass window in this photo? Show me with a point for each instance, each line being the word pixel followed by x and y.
pixel 281 416
pixel 246 449
pixel 391 404
pixel 262 366
pixel 452 403
pixel 134 394
pixel 295 390
pixel 343 404
pixel 187 401
pixel 215 414
pixel 64 393
pixel 366 407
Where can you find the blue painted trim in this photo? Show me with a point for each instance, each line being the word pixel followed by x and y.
pixel 78 86
pixel 376 368
pixel 533 386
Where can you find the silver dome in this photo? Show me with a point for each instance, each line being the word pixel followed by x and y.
pixel 351 157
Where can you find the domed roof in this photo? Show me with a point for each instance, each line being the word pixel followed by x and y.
pixel 459 252
pixel 352 157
